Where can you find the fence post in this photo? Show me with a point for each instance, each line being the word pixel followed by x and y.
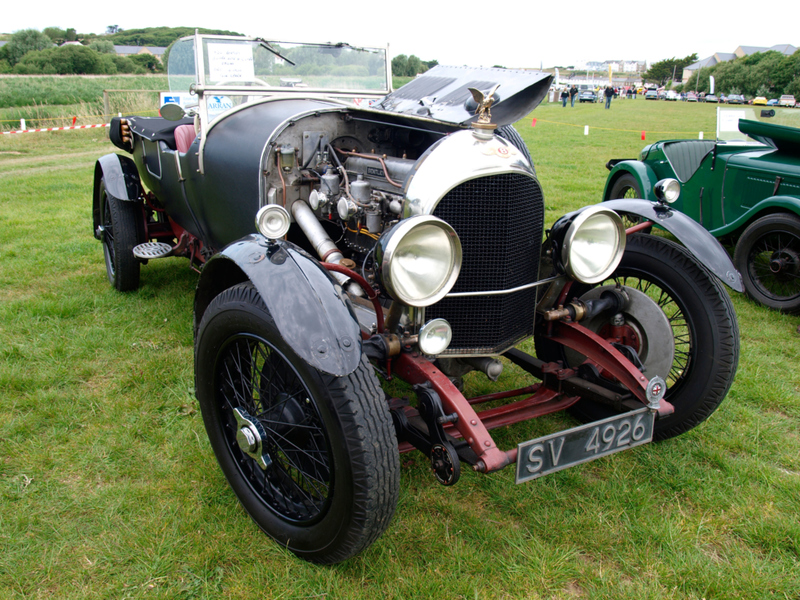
pixel 106 107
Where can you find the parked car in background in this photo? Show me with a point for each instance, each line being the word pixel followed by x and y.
pixel 710 98
pixel 691 97
pixel 587 96
pixel 745 192
pixel 723 99
pixel 787 100
pixel 772 102
pixel 736 99
pixel 346 232
pixel 671 95
pixel 651 95
pixel 760 100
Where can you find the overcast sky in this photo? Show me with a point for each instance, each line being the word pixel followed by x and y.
pixel 511 34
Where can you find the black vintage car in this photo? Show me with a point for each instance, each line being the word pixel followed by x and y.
pixel 348 234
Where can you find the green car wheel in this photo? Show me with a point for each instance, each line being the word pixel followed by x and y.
pixel 768 257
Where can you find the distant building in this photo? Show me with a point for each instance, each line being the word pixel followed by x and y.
pixel 157 51
pixel 617 66
pixel 740 52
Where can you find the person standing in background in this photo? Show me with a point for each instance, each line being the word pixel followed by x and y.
pixel 609 93
pixel 573 91
pixel 564 97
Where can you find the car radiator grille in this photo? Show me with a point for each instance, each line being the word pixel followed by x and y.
pixel 499 220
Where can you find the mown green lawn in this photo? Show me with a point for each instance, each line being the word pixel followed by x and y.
pixel 109 489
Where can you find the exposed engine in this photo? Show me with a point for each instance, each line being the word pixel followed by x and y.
pixel 351 178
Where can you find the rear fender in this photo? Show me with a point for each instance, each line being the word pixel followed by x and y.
pixel 310 309
pixel 642 172
pixel 691 234
pixel 122 182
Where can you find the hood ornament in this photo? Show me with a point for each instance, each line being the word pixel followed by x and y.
pixel 483 110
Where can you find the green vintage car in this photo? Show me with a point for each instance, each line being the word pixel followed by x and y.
pixel 747 192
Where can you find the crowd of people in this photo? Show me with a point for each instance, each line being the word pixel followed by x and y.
pixel 569 94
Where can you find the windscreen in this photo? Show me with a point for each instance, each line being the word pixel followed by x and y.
pixel 728 119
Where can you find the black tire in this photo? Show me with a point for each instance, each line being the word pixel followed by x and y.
pixel 332 483
pixel 705 332
pixel 626 186
pixel 508 132
pixel 122 230
pixel 768 257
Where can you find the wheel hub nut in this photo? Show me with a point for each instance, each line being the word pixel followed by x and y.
pixel 251 436
pixel 247 439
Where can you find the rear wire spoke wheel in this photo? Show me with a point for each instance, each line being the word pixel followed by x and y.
pixel 704 331
pixel 768 257
pixel 312 458
pixel 122 230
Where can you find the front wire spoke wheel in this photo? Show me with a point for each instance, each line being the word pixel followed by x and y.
pixel 695 324
pixel 312 458
pixel 256 379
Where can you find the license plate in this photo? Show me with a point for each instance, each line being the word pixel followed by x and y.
pixel 578 445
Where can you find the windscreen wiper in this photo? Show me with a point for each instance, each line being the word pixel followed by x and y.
pixel 266 45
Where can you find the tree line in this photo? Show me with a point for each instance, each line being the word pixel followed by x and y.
pixel 770 74
pixel 410 66
pixel 34 52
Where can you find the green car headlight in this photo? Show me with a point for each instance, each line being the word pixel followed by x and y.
pixel 592 244
pixel 419 259
pixel 667 190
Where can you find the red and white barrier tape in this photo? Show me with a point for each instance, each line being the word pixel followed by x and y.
pixel 55 128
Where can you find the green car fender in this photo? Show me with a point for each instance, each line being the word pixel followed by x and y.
pixel 643 173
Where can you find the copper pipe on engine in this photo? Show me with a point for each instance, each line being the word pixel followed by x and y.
pixel 372 157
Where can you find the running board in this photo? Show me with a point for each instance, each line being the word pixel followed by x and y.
pixel 152 250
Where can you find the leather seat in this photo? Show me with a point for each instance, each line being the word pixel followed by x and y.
pixel 685 157
pixel 184 136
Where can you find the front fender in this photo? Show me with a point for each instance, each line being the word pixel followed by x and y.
pixel 121 179
pixel 310 309
pixel 644 175
pixel 697 240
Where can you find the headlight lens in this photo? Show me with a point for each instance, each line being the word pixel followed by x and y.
pixel 272 221
pixel 593 245
pixel 435 337
pixel 667 190
pixel 420 259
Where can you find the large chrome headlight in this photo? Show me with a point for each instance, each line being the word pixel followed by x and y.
pixel 589 243
pixel 419 259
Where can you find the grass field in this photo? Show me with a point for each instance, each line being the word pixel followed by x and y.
pixel 109 489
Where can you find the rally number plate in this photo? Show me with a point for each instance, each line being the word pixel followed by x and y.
pixel 578 445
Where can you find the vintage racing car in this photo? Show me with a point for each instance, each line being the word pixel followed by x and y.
pixel 346 232
pixel 743 191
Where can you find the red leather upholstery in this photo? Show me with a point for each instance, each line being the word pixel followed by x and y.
pixel 184 136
